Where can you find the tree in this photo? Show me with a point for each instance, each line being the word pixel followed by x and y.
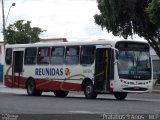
pixel 21 32
pixel 127 17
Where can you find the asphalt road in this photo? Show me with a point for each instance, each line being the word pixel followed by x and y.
pixel 76 105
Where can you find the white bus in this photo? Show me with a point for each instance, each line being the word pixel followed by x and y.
pixel 95 67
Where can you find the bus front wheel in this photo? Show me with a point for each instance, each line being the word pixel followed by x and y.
pixel 31 88
pixel 61 93
pixel 89 91
pixel 120 95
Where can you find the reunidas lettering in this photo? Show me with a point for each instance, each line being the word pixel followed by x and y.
pixel 49 71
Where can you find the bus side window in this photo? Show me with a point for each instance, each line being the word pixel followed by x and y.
pixel 30 56
pixel 72 55
pixel 8 57
pixel 43 55
pixel 57 55
pixel 87 55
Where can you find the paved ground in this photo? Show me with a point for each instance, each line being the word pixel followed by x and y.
pixel 14 103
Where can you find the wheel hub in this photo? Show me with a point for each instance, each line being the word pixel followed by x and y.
pixel 89 89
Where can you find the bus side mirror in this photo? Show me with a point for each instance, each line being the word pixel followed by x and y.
pixel 116 51
pixel 117 54
pixel 116 57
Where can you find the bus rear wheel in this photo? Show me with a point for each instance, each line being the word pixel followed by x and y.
pixel 31 88
pixel 61 93
pixel 89 91
pixel 120 95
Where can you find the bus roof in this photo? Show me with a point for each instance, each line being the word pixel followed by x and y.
pixel 69 43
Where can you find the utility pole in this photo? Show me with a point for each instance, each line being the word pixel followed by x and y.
pixel 3 17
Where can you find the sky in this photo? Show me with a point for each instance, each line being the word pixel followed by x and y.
pixel 71 19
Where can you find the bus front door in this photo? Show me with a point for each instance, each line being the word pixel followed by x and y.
pixel 102 69
pixel 17 68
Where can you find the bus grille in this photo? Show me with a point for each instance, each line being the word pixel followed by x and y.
pixel 135 89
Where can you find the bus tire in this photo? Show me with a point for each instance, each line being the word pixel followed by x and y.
pixel 61 93
pixel 120 95
pixel 89 90
pixel 31 88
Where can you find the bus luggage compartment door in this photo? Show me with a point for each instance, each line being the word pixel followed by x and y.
pixel 102 69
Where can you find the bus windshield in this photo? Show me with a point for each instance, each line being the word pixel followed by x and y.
pixel 134 64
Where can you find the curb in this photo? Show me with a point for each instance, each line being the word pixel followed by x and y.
pixel 155 91
pixel 2 86
pixel 156 88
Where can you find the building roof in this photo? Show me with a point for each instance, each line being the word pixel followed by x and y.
pixel 54 40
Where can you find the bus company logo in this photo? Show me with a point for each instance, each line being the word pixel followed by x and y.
pixel 49 71
pixel 67 72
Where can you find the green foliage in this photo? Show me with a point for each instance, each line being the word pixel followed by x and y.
pixel 21 32
pixel 153 10
pixel 127 17
pixel 116 16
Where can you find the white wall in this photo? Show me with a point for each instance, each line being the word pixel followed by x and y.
pixel 2 53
